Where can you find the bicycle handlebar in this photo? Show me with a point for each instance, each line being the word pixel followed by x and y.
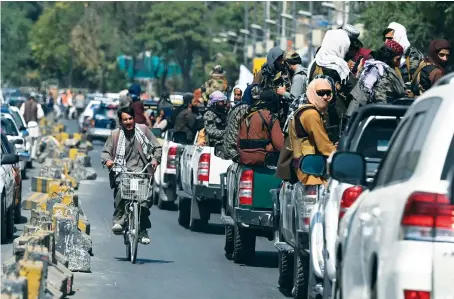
pixel 128 170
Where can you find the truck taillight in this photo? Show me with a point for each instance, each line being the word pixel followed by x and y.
pixel 410 294
pixel 203 171
pixel 307 197
pixel 245 187
pixel 428 217
pixel 348 198
pixel 172 157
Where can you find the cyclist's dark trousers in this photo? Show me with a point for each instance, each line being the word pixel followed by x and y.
pixel 119 212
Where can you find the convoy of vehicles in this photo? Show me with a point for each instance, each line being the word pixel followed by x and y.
pixel 381 227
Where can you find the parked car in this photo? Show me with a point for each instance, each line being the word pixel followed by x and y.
pixel 10 129
pixel 103 122
pixel 200 193
pixel 7 191
pixel 22 126
pixel 86 115
pixel 164 183
pixel 396 240
pixel 17 179
pixel 368 132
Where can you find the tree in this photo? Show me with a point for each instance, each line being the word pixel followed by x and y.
pixel 176 31
pixel 15 52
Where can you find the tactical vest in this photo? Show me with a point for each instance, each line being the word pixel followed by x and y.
pixel 248 143
pixel 30 111
pixel 299 141
pixel 424 68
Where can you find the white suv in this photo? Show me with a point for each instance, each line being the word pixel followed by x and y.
pixel 397 239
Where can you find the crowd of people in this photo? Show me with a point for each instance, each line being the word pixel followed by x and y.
pixel 291 110
pixel 298 111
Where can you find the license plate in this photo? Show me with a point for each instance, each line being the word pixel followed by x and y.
pixel 134 185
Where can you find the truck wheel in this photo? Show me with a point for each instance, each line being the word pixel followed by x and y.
pixel 244 245
pixel 170 194
pixel 285 280
pixel 184 211
pixel 17 209
pixel 155 196
pixel 301 275
pixel 229 240
pixel 10 222
pixel 3 218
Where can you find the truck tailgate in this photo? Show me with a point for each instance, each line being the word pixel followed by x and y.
pixel 264 180
pixel 217 166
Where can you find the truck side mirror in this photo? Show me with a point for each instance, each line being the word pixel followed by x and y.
pixel 9 159
pixel 348 167
pixel 271 160
pixel 314 164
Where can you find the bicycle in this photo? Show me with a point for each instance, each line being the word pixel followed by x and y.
pixel 135 187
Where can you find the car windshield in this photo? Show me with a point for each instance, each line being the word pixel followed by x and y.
pixel 107 112
pixel 374 142
pixel 8 127
pixel 17 119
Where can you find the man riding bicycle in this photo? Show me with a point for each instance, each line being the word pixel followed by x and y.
pixel 132 146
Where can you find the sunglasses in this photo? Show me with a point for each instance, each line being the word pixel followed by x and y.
pixel 322 93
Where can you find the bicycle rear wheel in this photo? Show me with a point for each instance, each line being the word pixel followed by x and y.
pixel 134 231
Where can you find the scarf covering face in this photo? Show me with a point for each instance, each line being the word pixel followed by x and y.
pixel 147 147
pixel 331 55
pixel 314 98
pixel 215 97
pixel 435 46
pixel 298 102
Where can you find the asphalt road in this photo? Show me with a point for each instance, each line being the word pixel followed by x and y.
pixel 177 264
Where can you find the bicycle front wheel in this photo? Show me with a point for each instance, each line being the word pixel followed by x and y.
pixel 134 231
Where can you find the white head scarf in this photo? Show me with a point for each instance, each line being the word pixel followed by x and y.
pixel 400 35
pixel 332 52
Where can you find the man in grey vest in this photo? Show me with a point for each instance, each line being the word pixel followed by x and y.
pixel 32 112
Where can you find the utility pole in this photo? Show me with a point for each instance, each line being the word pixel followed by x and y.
pixel 311 28
pixel 283 32
pixel 294 24
pixel 246 26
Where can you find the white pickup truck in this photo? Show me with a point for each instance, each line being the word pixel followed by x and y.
pixel 164 183
pixel 199 191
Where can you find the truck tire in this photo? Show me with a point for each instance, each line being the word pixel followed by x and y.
pixel 17 209
pixel 285 280
pixel 10 222
pixel 301 275
pixel 155 196
pixel 244 245
pixel 229 240
pixel 3 218
pixel 170 194
pixel 184 211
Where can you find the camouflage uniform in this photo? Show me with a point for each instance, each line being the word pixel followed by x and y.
pixel 216 82
pixel 230 149
pixel 214 124
pixel 370 89
pixel 415 58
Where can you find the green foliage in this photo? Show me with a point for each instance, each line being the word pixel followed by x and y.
pixel 176 31
pixel 15 53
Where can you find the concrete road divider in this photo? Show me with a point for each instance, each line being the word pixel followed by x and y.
pixel 56 240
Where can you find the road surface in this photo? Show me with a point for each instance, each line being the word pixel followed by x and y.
pixel 177 264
